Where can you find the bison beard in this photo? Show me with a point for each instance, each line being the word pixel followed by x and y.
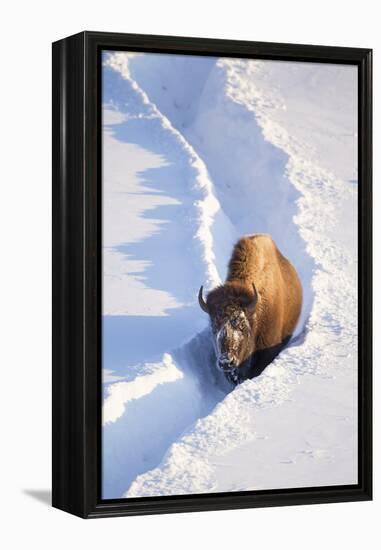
pixel 254 313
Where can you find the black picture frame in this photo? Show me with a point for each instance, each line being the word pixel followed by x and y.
pixel 76 152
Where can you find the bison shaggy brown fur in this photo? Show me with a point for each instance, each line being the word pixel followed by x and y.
pixel 254 313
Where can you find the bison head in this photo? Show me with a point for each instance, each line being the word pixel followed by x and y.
pixel 231 309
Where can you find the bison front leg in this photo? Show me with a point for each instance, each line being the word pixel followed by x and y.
pixel 264 357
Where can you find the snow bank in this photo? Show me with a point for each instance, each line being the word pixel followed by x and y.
pixel 158 206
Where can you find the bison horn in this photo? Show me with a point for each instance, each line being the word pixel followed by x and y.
pixel 201 301
pixel 253 303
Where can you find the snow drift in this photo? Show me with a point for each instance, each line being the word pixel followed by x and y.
pixel 197 152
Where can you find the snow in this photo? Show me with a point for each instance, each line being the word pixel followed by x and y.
pixel 198 151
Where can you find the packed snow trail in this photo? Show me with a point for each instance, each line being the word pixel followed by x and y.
pixel 249 173
pixel 246 125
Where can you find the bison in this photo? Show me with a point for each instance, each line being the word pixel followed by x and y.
pixel 254 313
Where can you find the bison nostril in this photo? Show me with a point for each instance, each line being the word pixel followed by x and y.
pixel 226 363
